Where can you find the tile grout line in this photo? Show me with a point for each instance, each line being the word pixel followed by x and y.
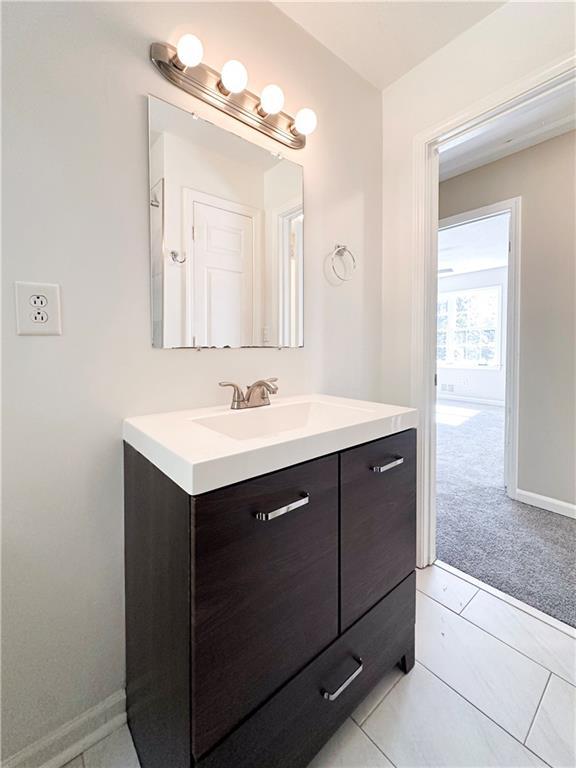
pixel 469 601
pixel 497 724
pixel 380 702
pixel 371 740
pixel 538 708
pixel 566 629
pixel 513 648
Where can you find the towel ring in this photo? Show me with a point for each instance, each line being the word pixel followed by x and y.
pixel 339 255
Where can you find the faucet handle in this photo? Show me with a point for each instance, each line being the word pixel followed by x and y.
pixel 263 384
pixel 237 397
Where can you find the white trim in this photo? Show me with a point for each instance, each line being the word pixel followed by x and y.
pixel 424 306
pixel 545 502
pixel 425 270
pixel 74 737
pixel 513 341
pixel 476 214
pixel 513 601
pixel 276 268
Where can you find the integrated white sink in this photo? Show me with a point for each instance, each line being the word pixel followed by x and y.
pixel 210 448
pixel 268 421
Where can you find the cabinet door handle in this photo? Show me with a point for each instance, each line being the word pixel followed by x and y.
pixel 333 695
pixel 265 516
pixel 390 465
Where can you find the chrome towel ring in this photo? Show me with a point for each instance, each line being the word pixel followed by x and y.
pixel 343 263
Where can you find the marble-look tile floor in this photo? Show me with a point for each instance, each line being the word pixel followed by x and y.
pixel 493 687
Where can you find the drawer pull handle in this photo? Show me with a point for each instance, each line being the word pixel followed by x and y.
pixel 282 510
pixel 333 695
pixel 390 465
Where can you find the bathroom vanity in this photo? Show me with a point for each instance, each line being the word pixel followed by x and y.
pixel 270 582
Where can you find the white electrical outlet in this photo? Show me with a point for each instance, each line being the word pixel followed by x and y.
pixel 38 309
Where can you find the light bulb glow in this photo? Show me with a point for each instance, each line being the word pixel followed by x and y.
pixel 190 50
pixel 234 76
pixel 305 121
pixel 271 99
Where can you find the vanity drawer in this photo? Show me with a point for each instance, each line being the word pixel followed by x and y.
pixel 378 521
pixel 294 725
pixel 264 590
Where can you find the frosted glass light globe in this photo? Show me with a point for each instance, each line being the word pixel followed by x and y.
pixel 234 76
pixel 305 121
pixel 272 99
pixel 190 50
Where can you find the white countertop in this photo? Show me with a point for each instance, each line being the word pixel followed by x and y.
pixel 209 448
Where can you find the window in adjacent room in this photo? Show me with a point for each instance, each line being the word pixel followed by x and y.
pixel 470 328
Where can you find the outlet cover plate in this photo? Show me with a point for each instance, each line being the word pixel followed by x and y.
pixel 34 316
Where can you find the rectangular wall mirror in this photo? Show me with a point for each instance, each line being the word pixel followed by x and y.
pixel 226 237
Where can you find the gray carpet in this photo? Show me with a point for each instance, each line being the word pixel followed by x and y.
pixel 527 552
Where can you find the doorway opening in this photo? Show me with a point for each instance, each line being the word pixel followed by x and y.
pixel 475 456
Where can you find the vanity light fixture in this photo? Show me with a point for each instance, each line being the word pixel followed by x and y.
pixel 227 90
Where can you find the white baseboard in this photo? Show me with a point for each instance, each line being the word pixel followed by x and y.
pixel 74 737
pixel 545 502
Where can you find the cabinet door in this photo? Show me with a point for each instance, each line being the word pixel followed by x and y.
pixel 264 590
pixel 378 521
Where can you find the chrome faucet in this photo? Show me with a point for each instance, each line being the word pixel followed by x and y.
pixel 257 394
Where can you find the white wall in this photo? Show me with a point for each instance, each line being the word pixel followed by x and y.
pixel 476 384
pixel 544 176
pixel 76 212
pixel 208 171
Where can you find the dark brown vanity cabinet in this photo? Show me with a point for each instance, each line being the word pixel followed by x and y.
pixel 259 615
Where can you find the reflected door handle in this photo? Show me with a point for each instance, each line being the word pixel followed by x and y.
pixel 385 467
pixel 265 516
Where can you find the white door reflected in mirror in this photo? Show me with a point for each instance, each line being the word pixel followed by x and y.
pixel 222 275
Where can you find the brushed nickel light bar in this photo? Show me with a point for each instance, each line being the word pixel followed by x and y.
pixel 227 91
